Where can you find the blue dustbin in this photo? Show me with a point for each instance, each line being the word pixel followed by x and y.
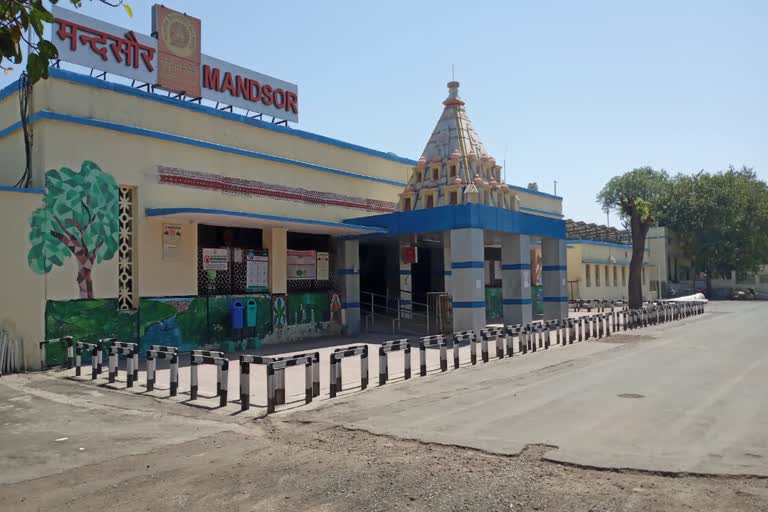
pixel 237 314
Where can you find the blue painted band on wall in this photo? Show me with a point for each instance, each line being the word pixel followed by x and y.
pixel 469 304
pixel 404 302
pixel 603 244
pixel 78 78
pixel 515 302
pixel 447 273
pixel 516 266
pixel 23 190
pixel 547 268
pixel 555 299
pixel 405 272
pixel 346 271
pixel 143 132
pixel 467 264
pixel 350 305
pixel 537 210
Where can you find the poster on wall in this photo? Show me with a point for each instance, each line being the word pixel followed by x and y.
pixel 215 259
pixel 171 241
pixel 256 270
pixel 323 266
pixel 302 264
pixel 497 269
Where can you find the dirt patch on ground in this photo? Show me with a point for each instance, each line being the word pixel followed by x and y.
pixel 297 466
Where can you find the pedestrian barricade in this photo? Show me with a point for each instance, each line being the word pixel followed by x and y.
pixel 435 340
pixel 199 357
pixel 281 365
pixel 488 334
pixel 338 355
pixel 511 331
pixel 130 352
pixel 95 351
pixel 156 352
pixel 68 342
pixel 460 337
pixel 393 346
pixel 278 371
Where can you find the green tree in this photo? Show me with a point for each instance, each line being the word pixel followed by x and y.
pixel 16 17
pixel 638 196
pixel 79 218
pixel 721 219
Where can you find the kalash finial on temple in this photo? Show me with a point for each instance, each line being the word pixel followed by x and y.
pixel 455 167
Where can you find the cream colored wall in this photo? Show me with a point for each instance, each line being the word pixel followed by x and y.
pixel 166 277
pixel 275 240
pixel 81 100
pixel 12 157
pixel 577 253
pixel 545 203
pixel 22 295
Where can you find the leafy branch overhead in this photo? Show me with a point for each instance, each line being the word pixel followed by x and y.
pixel 17 17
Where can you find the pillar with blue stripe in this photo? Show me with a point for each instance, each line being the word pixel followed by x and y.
pixel 554 273
pixel 516 278
pixel 406 287
pixel 468 279
pixel 348 280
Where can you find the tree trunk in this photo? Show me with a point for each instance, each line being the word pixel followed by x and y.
pixel 635 291
pixel 84 277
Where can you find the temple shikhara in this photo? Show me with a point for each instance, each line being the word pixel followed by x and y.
pixel 455 168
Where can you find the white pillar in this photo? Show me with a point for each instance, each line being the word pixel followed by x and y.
pixel 447 273
pixel 406 286
pixel 516 278
pixel 468 279
pixel 348 278
pixel 554 270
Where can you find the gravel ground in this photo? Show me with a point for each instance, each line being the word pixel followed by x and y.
pixel 279 464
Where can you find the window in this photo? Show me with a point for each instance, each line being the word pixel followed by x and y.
pixel 597 275
pixel 615 276
pixel 406 204
pixel 589 277
pixel 430 201
pixel 419 177
pixel 607 273
pixel 623 276
pixel 436 173
pixel 454 198
pixel 453 171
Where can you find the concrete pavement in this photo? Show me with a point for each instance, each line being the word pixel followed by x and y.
pixel 688 396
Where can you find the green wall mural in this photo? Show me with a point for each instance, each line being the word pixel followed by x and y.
pixel 190 322
pixel 308 307
pixel 494 308
pixel 79 218
pixel 86 320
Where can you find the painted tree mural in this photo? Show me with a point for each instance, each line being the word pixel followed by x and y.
pixel 79 218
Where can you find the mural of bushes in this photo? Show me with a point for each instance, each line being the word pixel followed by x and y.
pixel 86 320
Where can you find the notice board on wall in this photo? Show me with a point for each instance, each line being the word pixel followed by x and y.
pixel 215 259
pixel 256 270
pixel 302 265
pixel 323 266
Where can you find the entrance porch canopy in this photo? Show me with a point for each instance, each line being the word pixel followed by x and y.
pixel 446 218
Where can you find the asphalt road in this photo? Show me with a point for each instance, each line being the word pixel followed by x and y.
pixel 689 396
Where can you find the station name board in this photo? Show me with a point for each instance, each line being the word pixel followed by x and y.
pixel 171 61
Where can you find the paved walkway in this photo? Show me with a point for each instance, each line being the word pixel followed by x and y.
pixel 688 396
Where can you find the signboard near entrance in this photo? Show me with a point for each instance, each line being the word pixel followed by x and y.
pixel 215 259
pixel 302 265
pixel 171 241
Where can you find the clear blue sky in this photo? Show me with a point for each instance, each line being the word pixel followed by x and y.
pixel 569 91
